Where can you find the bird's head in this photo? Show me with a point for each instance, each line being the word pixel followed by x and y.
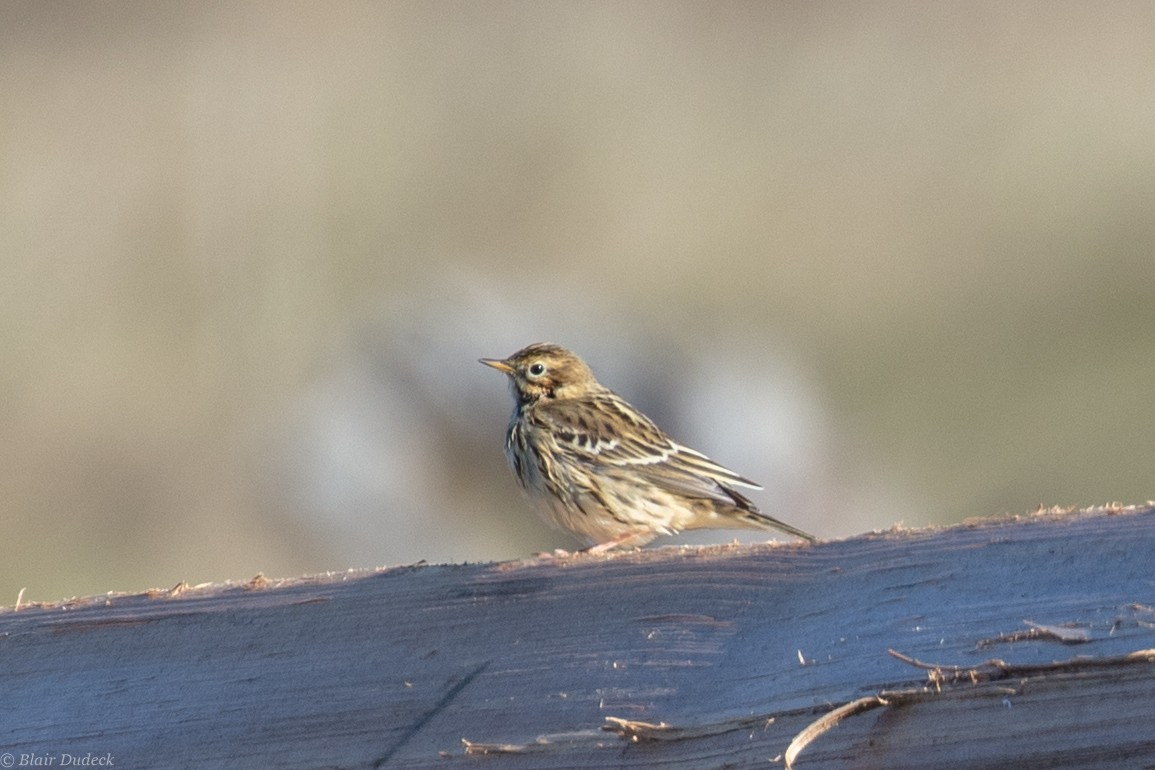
pixel 544 370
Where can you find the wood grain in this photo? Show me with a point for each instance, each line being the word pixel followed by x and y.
pixel 678 657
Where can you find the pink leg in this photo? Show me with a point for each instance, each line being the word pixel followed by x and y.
pixel 634 538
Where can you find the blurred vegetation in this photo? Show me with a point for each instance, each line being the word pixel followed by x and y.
pixel 893 259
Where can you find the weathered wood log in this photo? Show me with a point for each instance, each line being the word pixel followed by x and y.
pixel 1024 642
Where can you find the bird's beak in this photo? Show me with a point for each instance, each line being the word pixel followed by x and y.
pixel 498 364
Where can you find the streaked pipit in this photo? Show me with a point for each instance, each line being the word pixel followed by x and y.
pixel 601 470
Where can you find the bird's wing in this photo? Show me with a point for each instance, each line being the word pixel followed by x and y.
pixel 609 435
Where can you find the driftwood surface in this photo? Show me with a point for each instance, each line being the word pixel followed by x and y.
pixel 1026 642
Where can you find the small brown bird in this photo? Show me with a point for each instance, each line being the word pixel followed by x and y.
pixel 601 470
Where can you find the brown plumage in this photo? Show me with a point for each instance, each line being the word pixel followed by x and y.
pixel 604 472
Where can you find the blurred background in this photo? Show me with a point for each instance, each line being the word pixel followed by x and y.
pixel 894 260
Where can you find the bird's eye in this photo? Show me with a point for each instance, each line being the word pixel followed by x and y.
pixel 536 369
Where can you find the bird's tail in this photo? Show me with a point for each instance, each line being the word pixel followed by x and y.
pixel 760 520
pixel 749 514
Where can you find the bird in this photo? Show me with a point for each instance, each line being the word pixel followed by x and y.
pixel 596 467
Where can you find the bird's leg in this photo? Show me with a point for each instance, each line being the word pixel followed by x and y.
pixel 634 538
pixel 557 553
